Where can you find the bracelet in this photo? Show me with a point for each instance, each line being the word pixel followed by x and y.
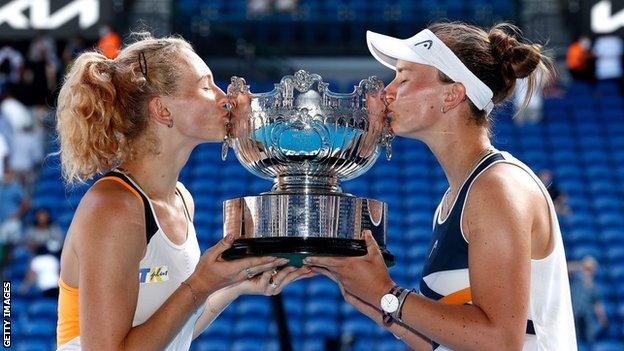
pixel 398 314
pixel 399 337
pixel 193 292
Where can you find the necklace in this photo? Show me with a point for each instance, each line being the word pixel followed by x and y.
pixel 483 154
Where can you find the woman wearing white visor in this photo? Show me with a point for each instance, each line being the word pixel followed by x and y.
pixel 495 274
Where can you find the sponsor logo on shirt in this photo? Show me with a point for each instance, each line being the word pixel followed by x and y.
pixel 156 274
pixel 435 246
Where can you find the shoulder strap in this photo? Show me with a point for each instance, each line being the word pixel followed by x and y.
pixel 150 222
pixel 484 164
pixel 180 192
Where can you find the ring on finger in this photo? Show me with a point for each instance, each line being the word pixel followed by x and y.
pixel 249 273
pixel 274 285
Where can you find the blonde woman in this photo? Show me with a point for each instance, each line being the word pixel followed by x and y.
pixel 131 273
pixel 495 274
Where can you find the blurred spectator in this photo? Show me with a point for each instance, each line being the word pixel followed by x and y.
pixel 559 198
pixel 43 231
pixel 4 151
pixel 608 50
pixel 13 205
pixel 41 47
pixel 45 66
pixel 285 5
pixel 110 42
pixel 74 47
pixel 6 132
pixel 586 301
pixel 580 60
pixel 44 272
pixel 26 155
pixel 11 65
pixel 259 7
pixel 15 112
pixel 263 7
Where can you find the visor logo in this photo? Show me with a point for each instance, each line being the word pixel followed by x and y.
pixel 427 44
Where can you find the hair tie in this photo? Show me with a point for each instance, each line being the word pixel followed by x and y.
pixel 143 64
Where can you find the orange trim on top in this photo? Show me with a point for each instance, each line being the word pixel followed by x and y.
pixel 125 185
pixel 68 325
pixel 70 289
pixel 459 297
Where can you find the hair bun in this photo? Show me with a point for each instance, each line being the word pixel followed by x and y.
pixel 518 59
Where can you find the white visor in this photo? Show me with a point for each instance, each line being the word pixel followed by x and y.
pixel 427 49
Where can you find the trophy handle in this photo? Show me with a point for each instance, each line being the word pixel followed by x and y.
pixel 237 86
pixel 374 86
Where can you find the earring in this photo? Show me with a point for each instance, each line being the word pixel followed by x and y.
pixel 442 109
pixel 170 124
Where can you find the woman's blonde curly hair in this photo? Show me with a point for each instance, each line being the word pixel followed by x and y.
pixel 102 105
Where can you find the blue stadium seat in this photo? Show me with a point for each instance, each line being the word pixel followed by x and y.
pixel 322 286
pixel 608 345
pixel 358 325
pixel 392 345
pixel 31 344
pixel 321 327
pixel 44 308
pixel 295 290
pixel 211 344
pixel 40 327
pixel 611 221
pixel 580 237
pixel 577 253
pixel 616 273
pixel 251 326
pixel 220 327
pixel 363 343
pixel 254 306
pixel 328 307
pixel 248 344
pixel 293 305
pixel 612 237
pixel 607 203
pixel 313 344
pixel 615 254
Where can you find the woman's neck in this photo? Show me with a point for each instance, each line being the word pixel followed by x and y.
pixel 157 174
pixel 459 152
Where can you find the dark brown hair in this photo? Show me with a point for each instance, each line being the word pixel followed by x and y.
pixel 497 57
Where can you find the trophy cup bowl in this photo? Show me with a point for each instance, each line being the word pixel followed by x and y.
pixel 306 139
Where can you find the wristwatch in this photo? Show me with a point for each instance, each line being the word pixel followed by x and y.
pixel 391 304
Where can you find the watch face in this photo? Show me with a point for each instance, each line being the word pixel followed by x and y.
pixel 389 303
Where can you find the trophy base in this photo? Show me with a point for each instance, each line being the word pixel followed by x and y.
pixel 295 249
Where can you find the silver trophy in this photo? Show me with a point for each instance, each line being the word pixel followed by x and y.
pixel 306 139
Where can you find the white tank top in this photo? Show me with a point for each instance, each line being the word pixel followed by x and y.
pixel 161 271
pixel 446 275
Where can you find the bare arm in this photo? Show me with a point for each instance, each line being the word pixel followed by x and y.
pixel 501 211
pixel 109 249
pixel 498 220
pixel 411 337
pixel 215 304
pixel 258 285
pixel 601 314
